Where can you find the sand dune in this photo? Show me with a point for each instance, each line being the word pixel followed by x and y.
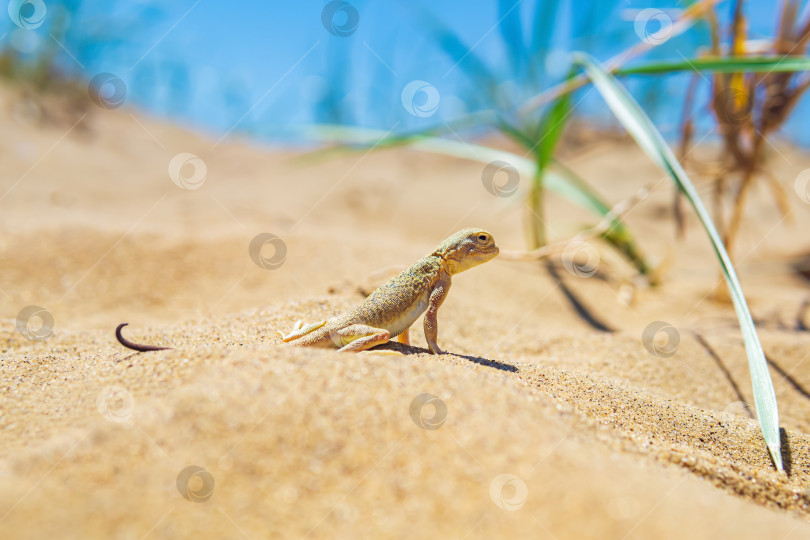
pixel 546 426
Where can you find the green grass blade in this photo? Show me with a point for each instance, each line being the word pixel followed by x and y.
pixel 351 139
pixel 568 186
pixel 617 234
pixel 473 152
pixel 641 128
pixel 542 144
pixel 733 64
pixel 551 129
pixel 517 134
pixel 688 18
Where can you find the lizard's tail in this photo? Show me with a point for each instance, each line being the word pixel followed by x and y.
pixel 303 335
pixel 300 330
pixel 135 346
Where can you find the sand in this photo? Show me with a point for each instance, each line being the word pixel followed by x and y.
pixel 536 422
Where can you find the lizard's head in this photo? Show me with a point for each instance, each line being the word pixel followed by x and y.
pixel 467 248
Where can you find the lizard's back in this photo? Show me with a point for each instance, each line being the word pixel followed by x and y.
pixel 397 303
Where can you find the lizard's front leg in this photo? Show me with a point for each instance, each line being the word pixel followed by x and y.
pixel 437 296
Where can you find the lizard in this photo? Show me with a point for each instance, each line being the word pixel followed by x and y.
pixel 391 309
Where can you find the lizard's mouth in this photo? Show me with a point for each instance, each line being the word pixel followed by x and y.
pixel 472 258
pixel 487 254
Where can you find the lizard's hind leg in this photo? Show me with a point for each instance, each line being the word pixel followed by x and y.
pixel 300 329
pixel 360 337
pixel 405 337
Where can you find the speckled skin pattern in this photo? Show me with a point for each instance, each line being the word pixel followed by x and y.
pixel 391 309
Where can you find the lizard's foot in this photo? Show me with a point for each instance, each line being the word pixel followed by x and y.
pixel 434 348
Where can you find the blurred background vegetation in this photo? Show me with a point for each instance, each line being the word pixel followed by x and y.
pixel 458 70
pixel 495 81
pixel 209 65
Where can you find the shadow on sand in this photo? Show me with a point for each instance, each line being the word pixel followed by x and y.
pixel 410 349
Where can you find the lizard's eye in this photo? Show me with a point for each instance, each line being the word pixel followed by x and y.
pixel 483 237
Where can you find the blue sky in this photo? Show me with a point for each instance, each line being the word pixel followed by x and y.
pixel 256 66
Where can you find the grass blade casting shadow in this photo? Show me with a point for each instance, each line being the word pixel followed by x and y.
pixel 556 177
pixel 641 128
pixel 726 373
pixel 579 307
